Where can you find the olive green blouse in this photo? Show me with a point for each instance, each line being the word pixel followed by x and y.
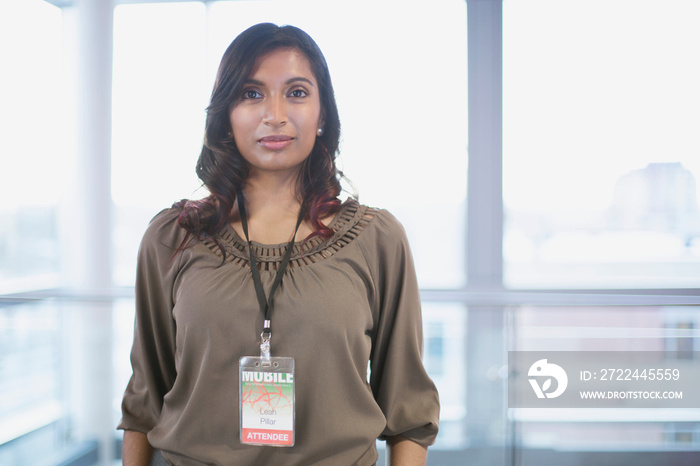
pixel 347 310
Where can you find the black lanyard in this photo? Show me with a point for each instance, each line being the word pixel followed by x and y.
pixel 266 304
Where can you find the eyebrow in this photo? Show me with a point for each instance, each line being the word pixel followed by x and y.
pixel 289 81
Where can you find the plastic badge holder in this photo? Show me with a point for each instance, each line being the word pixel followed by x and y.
pixel 266 403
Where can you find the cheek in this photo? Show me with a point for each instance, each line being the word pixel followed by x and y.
pixel 242 126
pixel 310 122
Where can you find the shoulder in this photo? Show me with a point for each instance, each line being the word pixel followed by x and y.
pixel 164 230
pixel 380 218
pixel 380 221
pixel 388 224
pixel 383 231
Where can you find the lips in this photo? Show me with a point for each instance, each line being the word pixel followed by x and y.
pixel 275 142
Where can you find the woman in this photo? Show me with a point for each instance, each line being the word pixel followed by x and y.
pixel 213 281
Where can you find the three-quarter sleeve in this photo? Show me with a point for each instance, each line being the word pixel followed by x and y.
pixel 398 379
pixel 153 351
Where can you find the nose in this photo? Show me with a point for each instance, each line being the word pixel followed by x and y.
pixel 275 111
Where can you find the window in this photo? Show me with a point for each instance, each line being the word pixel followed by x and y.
pixel 164 70
pixel 600 193
pixel 34 158
pixel 653 328
pixel 600 154
pixel 160 92
pixel 163 73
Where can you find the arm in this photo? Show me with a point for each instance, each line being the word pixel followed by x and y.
pixel 402 388
pixel 153 350
pixel 136 451
pixel 403 452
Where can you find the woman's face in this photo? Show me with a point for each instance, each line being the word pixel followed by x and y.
pixel 276 118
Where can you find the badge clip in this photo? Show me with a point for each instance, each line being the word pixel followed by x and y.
pixel 265 337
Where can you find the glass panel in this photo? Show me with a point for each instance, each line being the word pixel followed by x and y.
pixel 55 380
pixel 30 340
pixel 31 405
pixel 123 327
pixel 444 331
pixel 32 144
pixel 160 93
pixel 403 109
pixel 546 433
pixel 601 163
pixel 60 358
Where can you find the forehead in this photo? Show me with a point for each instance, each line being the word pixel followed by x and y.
pixel 282 63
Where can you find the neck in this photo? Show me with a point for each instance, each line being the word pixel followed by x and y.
pixel 271 196
pixel 272 207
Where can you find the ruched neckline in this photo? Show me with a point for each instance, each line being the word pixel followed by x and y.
pixel 350 220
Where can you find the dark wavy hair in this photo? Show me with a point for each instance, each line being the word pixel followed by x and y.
pixel 221 167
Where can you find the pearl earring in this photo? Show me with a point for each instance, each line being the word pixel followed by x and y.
pixel 319 131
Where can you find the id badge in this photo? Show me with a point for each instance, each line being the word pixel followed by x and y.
pixel 266 402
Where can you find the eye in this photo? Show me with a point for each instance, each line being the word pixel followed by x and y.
pixel 250 94
pixel 298 93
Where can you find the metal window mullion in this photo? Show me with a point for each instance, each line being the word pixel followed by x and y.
pixel 484 188
pixel 485 338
